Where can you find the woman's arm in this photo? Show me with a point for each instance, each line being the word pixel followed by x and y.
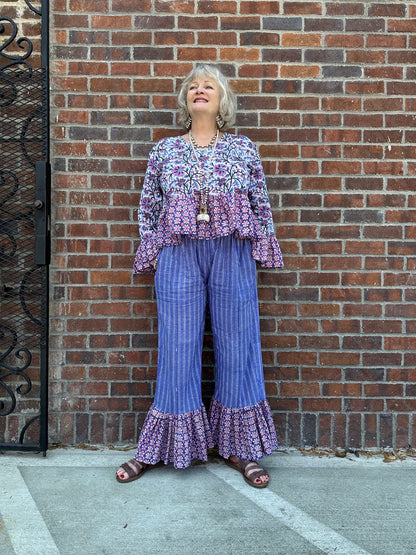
pixel 151 198
pixel 258 195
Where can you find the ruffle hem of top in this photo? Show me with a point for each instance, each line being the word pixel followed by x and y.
pixel 229 214
pixel 246 432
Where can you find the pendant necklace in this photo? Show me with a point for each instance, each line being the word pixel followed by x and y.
pixel 203 215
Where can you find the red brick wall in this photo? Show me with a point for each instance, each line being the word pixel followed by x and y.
pixel 327 91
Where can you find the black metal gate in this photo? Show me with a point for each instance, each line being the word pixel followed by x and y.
pixel 24 225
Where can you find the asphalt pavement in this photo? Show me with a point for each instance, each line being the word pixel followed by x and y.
pixel 69 503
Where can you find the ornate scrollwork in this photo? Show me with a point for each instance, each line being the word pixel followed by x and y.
pixel 8 406
pixel 8 186
pixel 8 92
pixel 9 335
pixel 34 121
pixel 22 43
pixel 9 221
pixel 32 7
pixel 23 285
pixel 8 26
pixel 22 354
pixel 28 288
pixel 26 427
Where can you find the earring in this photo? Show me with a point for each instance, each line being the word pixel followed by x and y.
pixel 220 121
pixel 188 123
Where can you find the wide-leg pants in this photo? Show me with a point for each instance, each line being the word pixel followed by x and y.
pixel 222 273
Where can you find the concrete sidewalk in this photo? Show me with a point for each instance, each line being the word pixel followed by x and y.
pixel 70 503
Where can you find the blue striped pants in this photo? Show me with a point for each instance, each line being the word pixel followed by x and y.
pixel 221 273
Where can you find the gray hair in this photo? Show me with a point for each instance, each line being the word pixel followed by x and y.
pixel 228 103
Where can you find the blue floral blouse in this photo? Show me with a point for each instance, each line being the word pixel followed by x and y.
pixel 237 202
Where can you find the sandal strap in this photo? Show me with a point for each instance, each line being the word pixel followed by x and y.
pixel 131 472
pixel 252 471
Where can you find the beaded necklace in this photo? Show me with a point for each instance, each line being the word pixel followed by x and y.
pixel 196 145
pixel 203 215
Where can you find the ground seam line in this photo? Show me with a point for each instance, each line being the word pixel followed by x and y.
pixel 27 531
pixel 310 529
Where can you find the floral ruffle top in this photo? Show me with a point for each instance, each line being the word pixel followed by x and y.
pixel 237 202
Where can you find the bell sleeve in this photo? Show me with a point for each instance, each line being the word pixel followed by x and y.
pixel 150 206
pixel 265 249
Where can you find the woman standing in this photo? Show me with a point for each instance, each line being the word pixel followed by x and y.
pixel 205 220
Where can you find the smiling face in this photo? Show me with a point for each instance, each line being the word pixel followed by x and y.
pixel 203 97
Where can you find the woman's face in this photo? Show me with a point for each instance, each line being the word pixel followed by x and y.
pixel 203 97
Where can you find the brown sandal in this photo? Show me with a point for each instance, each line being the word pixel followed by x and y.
pixel 132 473
pixel 250 471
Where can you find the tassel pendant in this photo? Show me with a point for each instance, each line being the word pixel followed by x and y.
pixel 203 215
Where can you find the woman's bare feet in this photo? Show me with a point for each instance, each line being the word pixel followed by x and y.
pixel 253 473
